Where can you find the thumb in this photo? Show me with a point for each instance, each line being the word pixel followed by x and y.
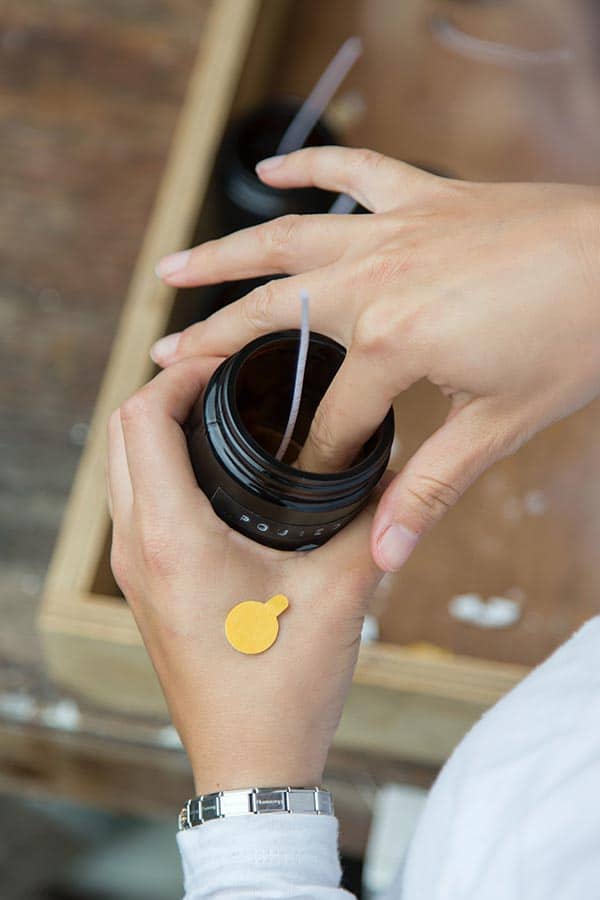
pixel 468 443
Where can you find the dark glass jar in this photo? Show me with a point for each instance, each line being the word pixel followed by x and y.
pixel 244 199
pixel 235 431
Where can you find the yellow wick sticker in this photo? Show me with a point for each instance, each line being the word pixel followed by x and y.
pixel 252 627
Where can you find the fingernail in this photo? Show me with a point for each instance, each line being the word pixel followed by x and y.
pixel 271 163
pixel 163 350
pixel 395 546
pixel 168 265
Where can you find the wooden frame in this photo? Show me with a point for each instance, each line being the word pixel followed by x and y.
pixel 403 704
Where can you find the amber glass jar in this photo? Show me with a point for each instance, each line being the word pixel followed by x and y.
pixel 235 432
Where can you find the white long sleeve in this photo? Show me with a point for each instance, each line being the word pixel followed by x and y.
pixel 514 815
pixel 271 856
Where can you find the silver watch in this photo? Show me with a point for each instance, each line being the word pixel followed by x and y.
pixel 255 801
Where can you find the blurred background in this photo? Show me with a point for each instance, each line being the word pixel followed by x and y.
pixel 126 130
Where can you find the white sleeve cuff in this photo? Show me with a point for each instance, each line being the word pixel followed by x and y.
pixel 268 856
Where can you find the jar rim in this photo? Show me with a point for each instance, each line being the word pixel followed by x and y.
pixel 286 470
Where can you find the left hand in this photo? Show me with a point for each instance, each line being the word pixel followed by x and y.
pixel 244 720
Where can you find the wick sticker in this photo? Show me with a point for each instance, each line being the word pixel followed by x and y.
pixel 252 627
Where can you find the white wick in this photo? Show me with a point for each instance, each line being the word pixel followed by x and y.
pixel 319 98
pixel 343 205
pixel 299 379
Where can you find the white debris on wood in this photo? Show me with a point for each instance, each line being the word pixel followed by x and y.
pixel 64 715
pixel 370 630
pixel 168 737
pixel 497 612
pixel 535 503
pixel 18 707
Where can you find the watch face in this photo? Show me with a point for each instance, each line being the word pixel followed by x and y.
pixel 271 801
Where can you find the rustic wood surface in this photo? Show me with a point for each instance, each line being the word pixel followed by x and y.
pixel 89 100
pixel 88 106
pixel 90 96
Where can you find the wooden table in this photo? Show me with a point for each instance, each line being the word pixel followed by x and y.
pixel 90 97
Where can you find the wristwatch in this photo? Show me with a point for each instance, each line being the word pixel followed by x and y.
pixel 255 801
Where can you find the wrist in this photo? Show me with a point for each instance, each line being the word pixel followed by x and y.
pixel 258 754
pixel 209 778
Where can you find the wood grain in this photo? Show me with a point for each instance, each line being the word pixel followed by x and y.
pixel 88 111
pixel 106 773
pixel 89 99
pixel 149 302
pixel 519 531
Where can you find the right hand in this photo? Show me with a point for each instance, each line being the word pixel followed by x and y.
pixel 491 291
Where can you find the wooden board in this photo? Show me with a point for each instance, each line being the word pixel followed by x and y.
pixel 86 628
pixel 149 302
pixel 521 529
pixel 89 100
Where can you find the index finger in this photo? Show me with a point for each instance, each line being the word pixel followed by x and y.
pixel 354 406
pixel 288 245
pixel 157 456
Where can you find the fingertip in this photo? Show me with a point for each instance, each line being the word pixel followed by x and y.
pixel 164 351
pixel 392 545
pixel 375 554
pixel 172 265
pixel 264 168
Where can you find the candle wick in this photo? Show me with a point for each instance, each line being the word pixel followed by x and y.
pixel 299 378
pixel 343 205
pixel 319 98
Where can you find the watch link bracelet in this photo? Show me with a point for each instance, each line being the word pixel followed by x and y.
pixel 255 801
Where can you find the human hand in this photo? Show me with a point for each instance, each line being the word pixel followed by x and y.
pixel 488 290
pixel 244 720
